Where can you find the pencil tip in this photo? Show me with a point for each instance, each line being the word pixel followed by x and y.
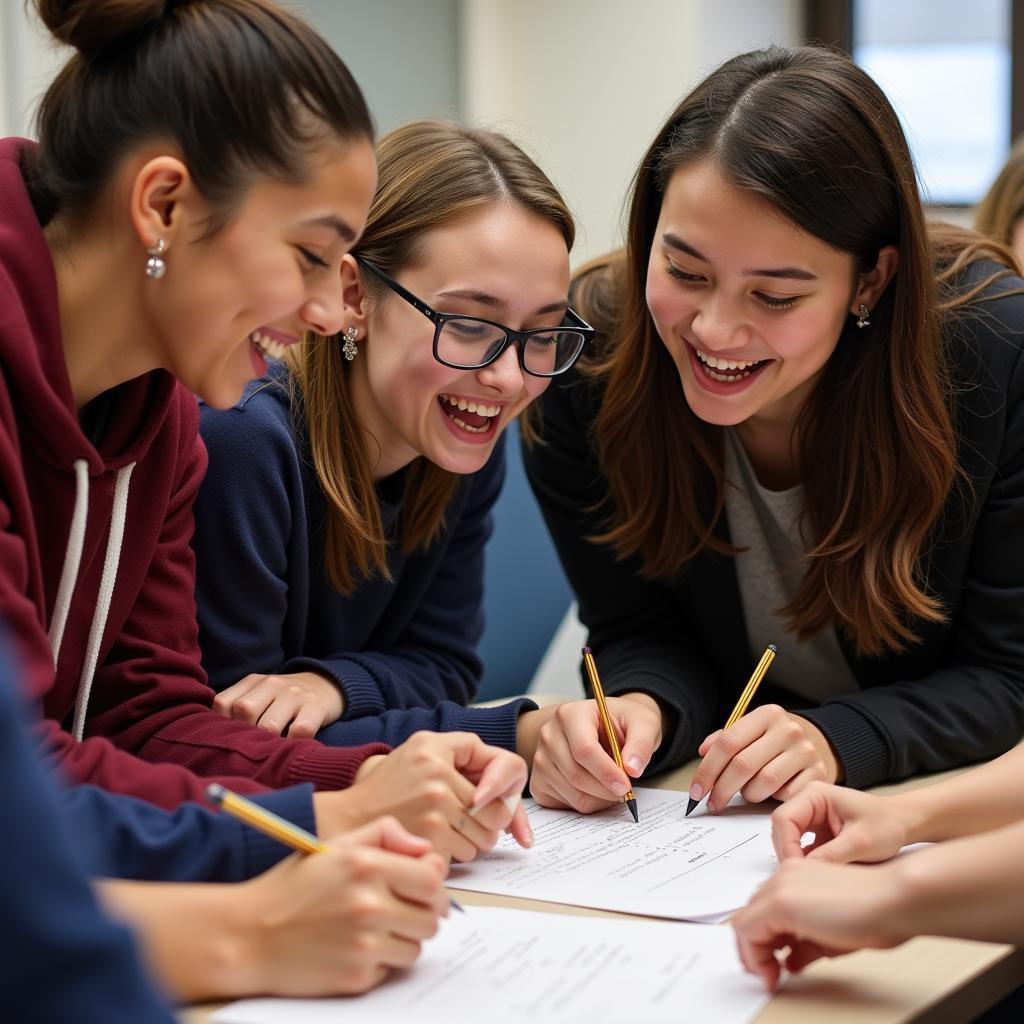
pixel 690 804
pixel 631 804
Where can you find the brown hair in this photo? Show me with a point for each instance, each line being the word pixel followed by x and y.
pixel 431 173
pixel 1003 204
pixel 811 133
pixel 241 87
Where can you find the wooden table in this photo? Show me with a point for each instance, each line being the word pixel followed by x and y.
pixel 928 980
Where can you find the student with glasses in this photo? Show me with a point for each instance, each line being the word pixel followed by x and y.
pixel 341 577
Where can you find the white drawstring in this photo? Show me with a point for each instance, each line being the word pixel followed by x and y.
pixel 103 598
pixel 72 558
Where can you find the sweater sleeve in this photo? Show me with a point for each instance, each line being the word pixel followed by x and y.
pixel 495 726
pixel 128 838
pixel 972 708
pixel 63 960
pixel 435 658
pixel 638 628
pixel 150 698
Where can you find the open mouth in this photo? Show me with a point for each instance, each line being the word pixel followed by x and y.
pixel 271 344
pixel 474 417
pixel 727 371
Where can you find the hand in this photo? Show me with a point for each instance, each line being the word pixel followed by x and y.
pixel 571 763
pixel 768 753
pixel 299 704
pixel 337 923
pixel 818 910
pixel 451 788
pixel 847 825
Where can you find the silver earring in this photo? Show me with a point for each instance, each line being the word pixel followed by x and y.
pixel 349 349
pixel 864 320
pixel 156 266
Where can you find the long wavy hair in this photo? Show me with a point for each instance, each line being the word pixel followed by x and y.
pixel 431 173
pixel 1003 204
pixel 809 132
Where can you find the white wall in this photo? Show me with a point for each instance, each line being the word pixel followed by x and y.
pixel 29 59
pixel 584 84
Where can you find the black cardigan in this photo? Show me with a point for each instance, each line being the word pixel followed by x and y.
pixel 955 698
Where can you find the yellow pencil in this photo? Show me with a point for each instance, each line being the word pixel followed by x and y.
pixel 745 698
pixel 613 742
pixel 268 823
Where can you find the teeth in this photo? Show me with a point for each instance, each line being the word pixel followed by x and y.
pixel 472 430
pixel 724 364
pixel 268 345
pixel 462 405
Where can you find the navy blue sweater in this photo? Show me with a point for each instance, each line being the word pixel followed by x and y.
pixel 62 959
pixel 404 651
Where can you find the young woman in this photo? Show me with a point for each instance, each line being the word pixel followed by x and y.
pixel 803 426
pixel 1000 214
pixel 819 903
pixel 155 235
pixel 340 577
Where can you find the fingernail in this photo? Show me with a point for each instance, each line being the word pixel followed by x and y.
pixel 512 802
pixel 619 788
pixel 635 763
pixel 529 835
pixel 696 791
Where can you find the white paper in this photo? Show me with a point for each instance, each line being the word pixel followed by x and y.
pixel 668 865
pixel 504 966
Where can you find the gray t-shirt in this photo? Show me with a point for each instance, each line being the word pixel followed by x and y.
pixel 767 524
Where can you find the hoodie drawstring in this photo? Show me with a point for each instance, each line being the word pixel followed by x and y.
pixel 69 577
pixel 72 558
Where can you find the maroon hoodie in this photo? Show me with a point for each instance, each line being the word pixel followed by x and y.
pixel 95 564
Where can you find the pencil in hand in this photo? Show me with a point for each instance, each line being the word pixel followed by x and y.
pixel 271 824
pixel 606 721
pixel 745 698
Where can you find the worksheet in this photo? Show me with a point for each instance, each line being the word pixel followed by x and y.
pixel 697 868
pixel 508 966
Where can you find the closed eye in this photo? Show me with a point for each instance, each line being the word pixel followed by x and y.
pixel 775 302
pixel 682 275
pixel 311 257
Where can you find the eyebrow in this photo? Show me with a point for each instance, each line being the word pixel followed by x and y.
pixel 500 305
pixel 333 221
pixel 789 273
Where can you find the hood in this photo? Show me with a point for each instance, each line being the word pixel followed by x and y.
pixel 31 351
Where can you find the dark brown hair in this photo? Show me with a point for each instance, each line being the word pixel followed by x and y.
pixel 240 87
pixel 431 173
pixel 809 132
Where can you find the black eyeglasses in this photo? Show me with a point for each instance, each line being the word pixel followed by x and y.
pixel 471 342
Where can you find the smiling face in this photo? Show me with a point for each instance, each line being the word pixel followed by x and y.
pixel 504 264
pixel 266 277
pixel 749 306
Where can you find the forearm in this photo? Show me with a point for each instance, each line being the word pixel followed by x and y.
pixel 968 888
pixel 190 936
pixel 988 797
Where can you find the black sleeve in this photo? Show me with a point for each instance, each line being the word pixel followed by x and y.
pixel 639 629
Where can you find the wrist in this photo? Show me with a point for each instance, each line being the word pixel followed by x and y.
pixel 234 967
pixel 368 765
pixel 336 812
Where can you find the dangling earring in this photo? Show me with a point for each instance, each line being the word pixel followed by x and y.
pixel 864 320
pixel 349 349
pixel 156 266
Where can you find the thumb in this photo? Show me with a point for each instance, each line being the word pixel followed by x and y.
pixel 638 747
pixel 844 848
pixel 388 833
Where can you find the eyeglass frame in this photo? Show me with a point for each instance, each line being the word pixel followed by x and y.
pixel 518 338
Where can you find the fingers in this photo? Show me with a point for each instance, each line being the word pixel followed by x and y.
pixel 503 776
pixel 756 942
pixel 557 770
pixel 245 701
pixel 387 833
pixel 308 721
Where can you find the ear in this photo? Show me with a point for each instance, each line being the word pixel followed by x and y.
pixel 353 295
pixel 161 190
pixel 871 285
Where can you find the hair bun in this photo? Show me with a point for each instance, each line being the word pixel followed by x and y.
pixel 90 25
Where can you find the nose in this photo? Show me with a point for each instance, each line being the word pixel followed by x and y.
pixel 505 374
pixel 322 309
pixel 718 326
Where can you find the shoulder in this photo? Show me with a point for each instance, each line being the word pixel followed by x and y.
pixel 262 416
pixel 984 336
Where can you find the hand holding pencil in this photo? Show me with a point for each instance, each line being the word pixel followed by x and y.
pixel 768 753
